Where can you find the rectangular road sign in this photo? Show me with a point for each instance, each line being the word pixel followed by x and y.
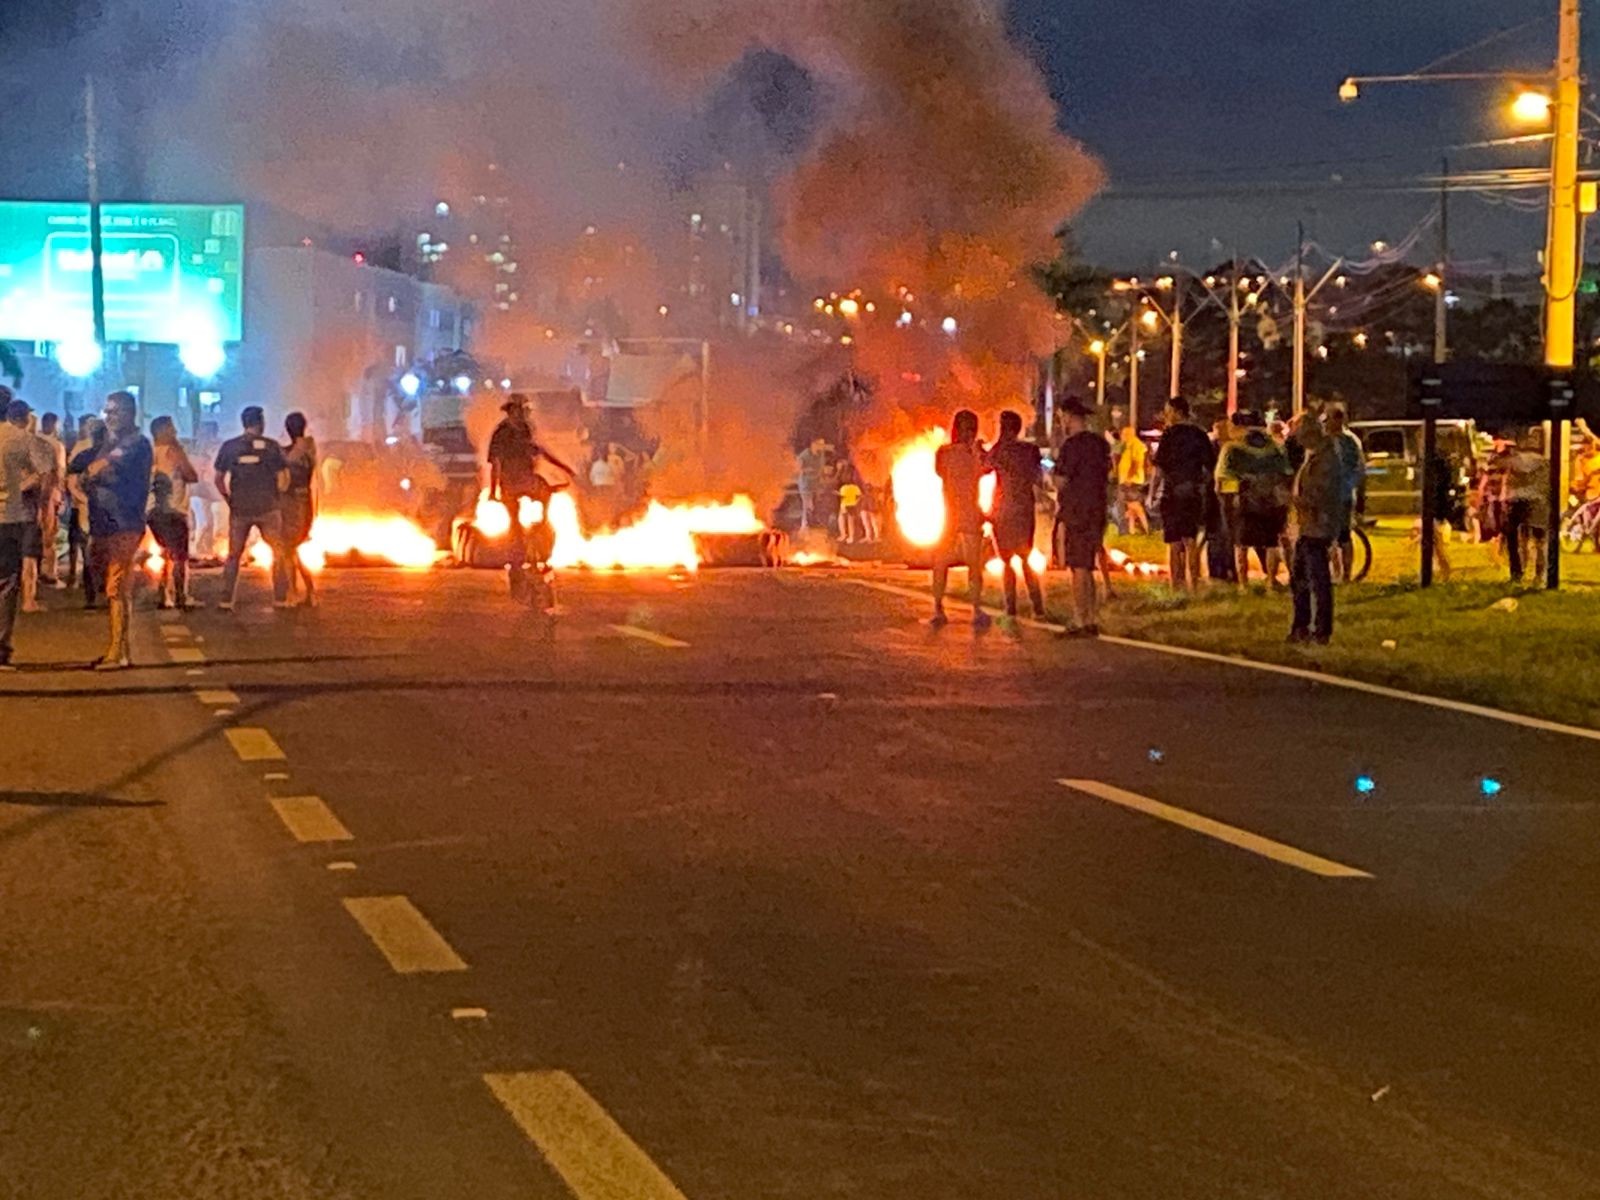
pixel 174 273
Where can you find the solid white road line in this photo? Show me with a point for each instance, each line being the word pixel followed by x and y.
pixel 403 935
pixel 646 635
pixel 309 819
pixel 579 1139
pixel 1242 838
pixel 253 745
pixel 1321 677
pixel 220 698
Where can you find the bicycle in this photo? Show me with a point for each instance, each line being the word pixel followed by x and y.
pixel 1580 525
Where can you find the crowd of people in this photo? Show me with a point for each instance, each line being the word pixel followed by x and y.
pixel 1285 496
pixel 835 498
pixel 96 493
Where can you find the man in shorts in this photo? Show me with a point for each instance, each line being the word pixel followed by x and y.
pixel 1083 467
pixel 1183 465
pixel 1017 467
pixel 960 465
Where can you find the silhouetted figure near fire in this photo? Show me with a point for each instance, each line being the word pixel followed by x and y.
pixel 960 465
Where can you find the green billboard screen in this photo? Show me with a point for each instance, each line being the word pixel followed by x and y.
pixel 174 273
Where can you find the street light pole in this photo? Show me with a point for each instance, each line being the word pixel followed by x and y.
pixel 1441 329
pixel 1299 405
pixel 1561 264
pixel 1561 243
pixel 1233 339
pixel 1175 382
pixel 1133 372
pixel 91 162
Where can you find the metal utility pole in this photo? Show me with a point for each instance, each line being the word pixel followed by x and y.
pixel 1441 351
pixel 1299 404
pixel 1441 339
pixel 1133 372
pixel 1233 339
pixel 1561 243
pixel 91 162
pixel 1302 299
pixel 1175 382
pixel 1561 263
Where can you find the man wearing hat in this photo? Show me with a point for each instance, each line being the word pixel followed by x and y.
pixel 1083 467
pixel 25 464
pixel 514 458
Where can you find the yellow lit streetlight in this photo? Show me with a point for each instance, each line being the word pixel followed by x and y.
pixel 1349 90
pixel 849 306
pixel 1432 281
pixel 1098 349
pixel 1148 318
pixel 1532 107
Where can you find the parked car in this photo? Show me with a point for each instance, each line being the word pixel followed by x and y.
pixel 1394 461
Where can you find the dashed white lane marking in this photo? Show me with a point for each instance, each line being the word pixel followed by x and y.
pixel 176 633
pixel 1320 677
pixel 310 819
pixel 648 635
pixel 194 671
pixel 403 935
pixel 469 1014
pixel 579 1139
pixel 275 776
pixel 185 654
pixel 253 745
pixel 223 713
pixel 1234 836
pixel 218 697
pixel 342 864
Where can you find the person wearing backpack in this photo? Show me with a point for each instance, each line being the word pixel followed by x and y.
pixel 1253 478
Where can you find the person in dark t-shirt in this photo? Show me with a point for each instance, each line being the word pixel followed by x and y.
pixel 1185 461
pixel 514 458
pixel 1017 467
pixel 1083 465
pixel 251 474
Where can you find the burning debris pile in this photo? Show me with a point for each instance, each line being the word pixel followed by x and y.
pixel 663 537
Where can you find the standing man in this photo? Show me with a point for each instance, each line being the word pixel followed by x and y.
pixel 1018 469
pixel 1083 464
pixel 1353 469
pixel 1254 476
pixel 24 467
pixel 250 475
pixel 171 476
pixel 1319 499
pixel 813 482
pixel 514 458
pixel 1525 493
pixel 960 465
pixel 117 480
pixel 1183 467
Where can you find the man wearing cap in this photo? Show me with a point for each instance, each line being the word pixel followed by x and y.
pixel 1083 467
pixel 514 458
pixel 25 464
pixel 116 478
pixel 251 475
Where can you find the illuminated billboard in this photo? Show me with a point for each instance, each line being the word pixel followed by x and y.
pixel 174 273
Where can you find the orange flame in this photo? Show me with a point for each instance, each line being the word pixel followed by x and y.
pixel 662 538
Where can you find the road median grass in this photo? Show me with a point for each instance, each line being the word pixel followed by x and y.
pixel 1525 651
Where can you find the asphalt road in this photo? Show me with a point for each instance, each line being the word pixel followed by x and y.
pixel 750 885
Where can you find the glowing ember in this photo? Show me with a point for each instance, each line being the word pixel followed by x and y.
pixel 660 539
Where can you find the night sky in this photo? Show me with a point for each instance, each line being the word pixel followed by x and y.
pixel 1197 95
pixel 1238 91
